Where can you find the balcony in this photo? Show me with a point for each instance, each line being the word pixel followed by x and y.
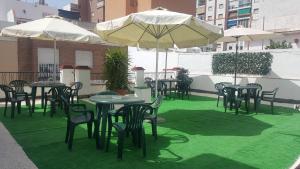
pixel 232 15
pixel 245 11
pixel 245 5
pixel 232 8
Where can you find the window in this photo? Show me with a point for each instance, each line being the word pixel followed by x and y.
pixel 209 18
pixel 244 23
pixel 221 6
pixel 46 62
pixel 256 10
pixel 230 47
pixel 220 16
pixel 84 58
pixel 210 8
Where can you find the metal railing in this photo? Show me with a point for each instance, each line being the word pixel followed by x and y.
pixel 161 75
pixel 6 77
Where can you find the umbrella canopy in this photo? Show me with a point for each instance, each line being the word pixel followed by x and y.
pixel 245 34
pixel 171 28
pixel 52 28
pixel 159 28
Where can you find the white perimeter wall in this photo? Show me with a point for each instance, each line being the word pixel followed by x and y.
pixel 285 72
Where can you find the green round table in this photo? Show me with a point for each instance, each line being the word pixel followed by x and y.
pixel 103 104
pixel 42 85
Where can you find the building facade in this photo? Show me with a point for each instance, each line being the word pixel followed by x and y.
pixel 270 15
pixel 101 10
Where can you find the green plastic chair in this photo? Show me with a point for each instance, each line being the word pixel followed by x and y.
pixel 13 98
pixel 133 122
pixel 231 99
pixel 269 96
pixel 152 115
pixel 76 114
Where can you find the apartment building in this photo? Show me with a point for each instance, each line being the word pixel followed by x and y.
pixel 226 13
pixel 270 15
pixel 101 10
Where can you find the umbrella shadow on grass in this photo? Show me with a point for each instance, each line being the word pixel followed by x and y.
pixel 210 161
pixel 211 123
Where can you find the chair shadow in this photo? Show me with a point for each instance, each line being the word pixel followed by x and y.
pixel 211 123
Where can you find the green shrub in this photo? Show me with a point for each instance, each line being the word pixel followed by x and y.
pixel 258 63
pixel 116 69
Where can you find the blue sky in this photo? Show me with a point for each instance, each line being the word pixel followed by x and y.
pixel 58 3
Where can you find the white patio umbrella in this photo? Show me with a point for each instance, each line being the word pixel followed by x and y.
pixel 159 28
pixel 52 28
pixel 237 34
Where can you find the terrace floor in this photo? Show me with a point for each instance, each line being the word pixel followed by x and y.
pixel 195 134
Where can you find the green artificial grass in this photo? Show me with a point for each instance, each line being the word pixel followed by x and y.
pixel 195 134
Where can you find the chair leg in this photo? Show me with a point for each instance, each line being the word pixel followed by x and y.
pixel 143 138
pixel 121 136
pixel 154 128
pixel 72 99
pixel 45 107
pixel 5 109
pixel 236 106
pixel 28 104
pixel 218 101
pixel 67 133
pixel 53 108
pixel 108 138
pixel 90 130
pixel 13 105
pixel 272 107
pixel 70 142
pixel 19 107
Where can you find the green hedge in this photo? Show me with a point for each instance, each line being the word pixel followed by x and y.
pixel 258 63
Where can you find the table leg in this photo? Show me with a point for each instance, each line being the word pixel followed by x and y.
pixel 170 89
pixel 248 100
pixel 105 109
pixel 102 115
pixel 43 96
pixel 33 95
pixel 97 125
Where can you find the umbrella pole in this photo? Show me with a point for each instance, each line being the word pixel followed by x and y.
pixel 166 62
pixel 54 70
pixel 235 59
pixel 156 68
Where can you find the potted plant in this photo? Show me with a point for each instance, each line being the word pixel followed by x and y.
pixel 116 70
